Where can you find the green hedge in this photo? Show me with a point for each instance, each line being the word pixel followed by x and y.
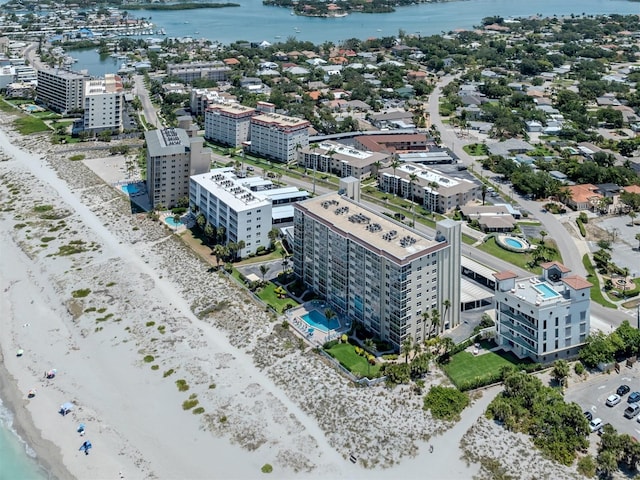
pixel 583 232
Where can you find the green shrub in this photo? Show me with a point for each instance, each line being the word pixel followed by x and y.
pixel 76 158
pixel 266 468
pixel 80 293
pixel 189 404
pixel 197 411
pixel 183 386
pixel 445 403
pixel 579 368
pixel 587 466
pixel 330 345
pixel 583 232
pixel 212 386
pixel 168 372
pixel 42 208
pixel 149 358
pixel 155 367
pixel 150 324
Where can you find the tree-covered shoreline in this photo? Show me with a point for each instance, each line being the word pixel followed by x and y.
pixel 179 6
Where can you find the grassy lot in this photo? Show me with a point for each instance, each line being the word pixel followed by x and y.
pixel 476 149
pixel 469 240
pixel 27 125
pixel 268 295
pixel 464 366
pixel 596 293
pixel 345 353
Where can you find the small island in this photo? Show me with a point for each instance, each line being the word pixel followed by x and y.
pixel 317 8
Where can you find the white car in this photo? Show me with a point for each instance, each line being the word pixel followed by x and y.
pixel 595 424
pixel 613 400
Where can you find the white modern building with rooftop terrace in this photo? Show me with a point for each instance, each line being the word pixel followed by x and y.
pixel 375 271
pixel 544 318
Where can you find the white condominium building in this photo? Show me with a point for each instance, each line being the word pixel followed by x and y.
pixel 172 157
pixel 278 137
pixel 61 90
pixel 375 271
pixel 342 160
pixel 543 318
pixel 432 189
pixel 225 202
pixel 103 104
pixel 228 124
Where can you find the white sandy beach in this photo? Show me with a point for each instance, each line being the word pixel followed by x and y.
pixel 265 400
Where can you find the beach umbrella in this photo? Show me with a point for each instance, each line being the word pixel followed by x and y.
pixel 19 352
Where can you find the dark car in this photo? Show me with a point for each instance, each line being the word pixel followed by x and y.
pixel 588 416
pixel 623 390
pixel 634 397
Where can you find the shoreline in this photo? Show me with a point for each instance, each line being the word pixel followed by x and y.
pixel 46 451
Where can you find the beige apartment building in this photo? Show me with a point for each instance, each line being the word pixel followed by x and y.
pixel 342 160
pixel 228 124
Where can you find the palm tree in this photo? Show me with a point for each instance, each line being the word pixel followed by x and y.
pixel 405 347
pixel 329 314
pixel 435 321
pixel 638 239
pixel 376 168
pixel 369 344
pixel 314 147
pixel 484 193
pixel 220 234
pixel 446 304
pixel 263 271
pixel 542 235
pixel 395 164
pixel 176 221
pixel 560 371
pixel 632 216
pixel 241 245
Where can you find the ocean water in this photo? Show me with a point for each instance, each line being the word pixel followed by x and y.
pixel 17 459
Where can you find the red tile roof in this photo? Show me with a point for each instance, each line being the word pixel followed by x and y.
pixel 576 282
pixel 555 263
pixel 505 275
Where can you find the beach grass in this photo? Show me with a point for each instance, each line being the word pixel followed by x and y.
pixel 27 125
pixel 346 354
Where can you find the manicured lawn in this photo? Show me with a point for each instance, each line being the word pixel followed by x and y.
pixel 269 296
pixel 469 240
pixel 596 293
pixel 345 353
pixel 518 259
pixel 464 366
pixel 27 125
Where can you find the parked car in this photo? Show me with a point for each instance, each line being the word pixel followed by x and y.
pixel 595 424
pixel 588 415
pixel 623 390
pixel 634 397
pixel 632 410
pixel 613 400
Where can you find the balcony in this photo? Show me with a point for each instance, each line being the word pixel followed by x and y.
pixel 518 341
pixel 517 328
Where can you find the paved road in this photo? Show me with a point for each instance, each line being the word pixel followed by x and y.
pixel 147 107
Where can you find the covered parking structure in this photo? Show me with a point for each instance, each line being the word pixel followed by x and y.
pixel 478 272
pixel 474 296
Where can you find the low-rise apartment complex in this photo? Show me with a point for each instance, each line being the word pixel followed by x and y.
pixel 342 160
pixel 172 157
pixel 189 72
pixel 375 271
pixel 434 190
pixel 543 318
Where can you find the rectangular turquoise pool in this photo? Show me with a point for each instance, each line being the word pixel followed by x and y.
pixel 546 291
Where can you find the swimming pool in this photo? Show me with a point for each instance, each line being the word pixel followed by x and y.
pixel 318 321
pixel 514 242
pixel 130 189
pixel 546 291
pixel 172 223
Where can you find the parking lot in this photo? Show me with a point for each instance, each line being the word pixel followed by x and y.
pixel 592 394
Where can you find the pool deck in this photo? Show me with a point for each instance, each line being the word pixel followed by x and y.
pixel 309 332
